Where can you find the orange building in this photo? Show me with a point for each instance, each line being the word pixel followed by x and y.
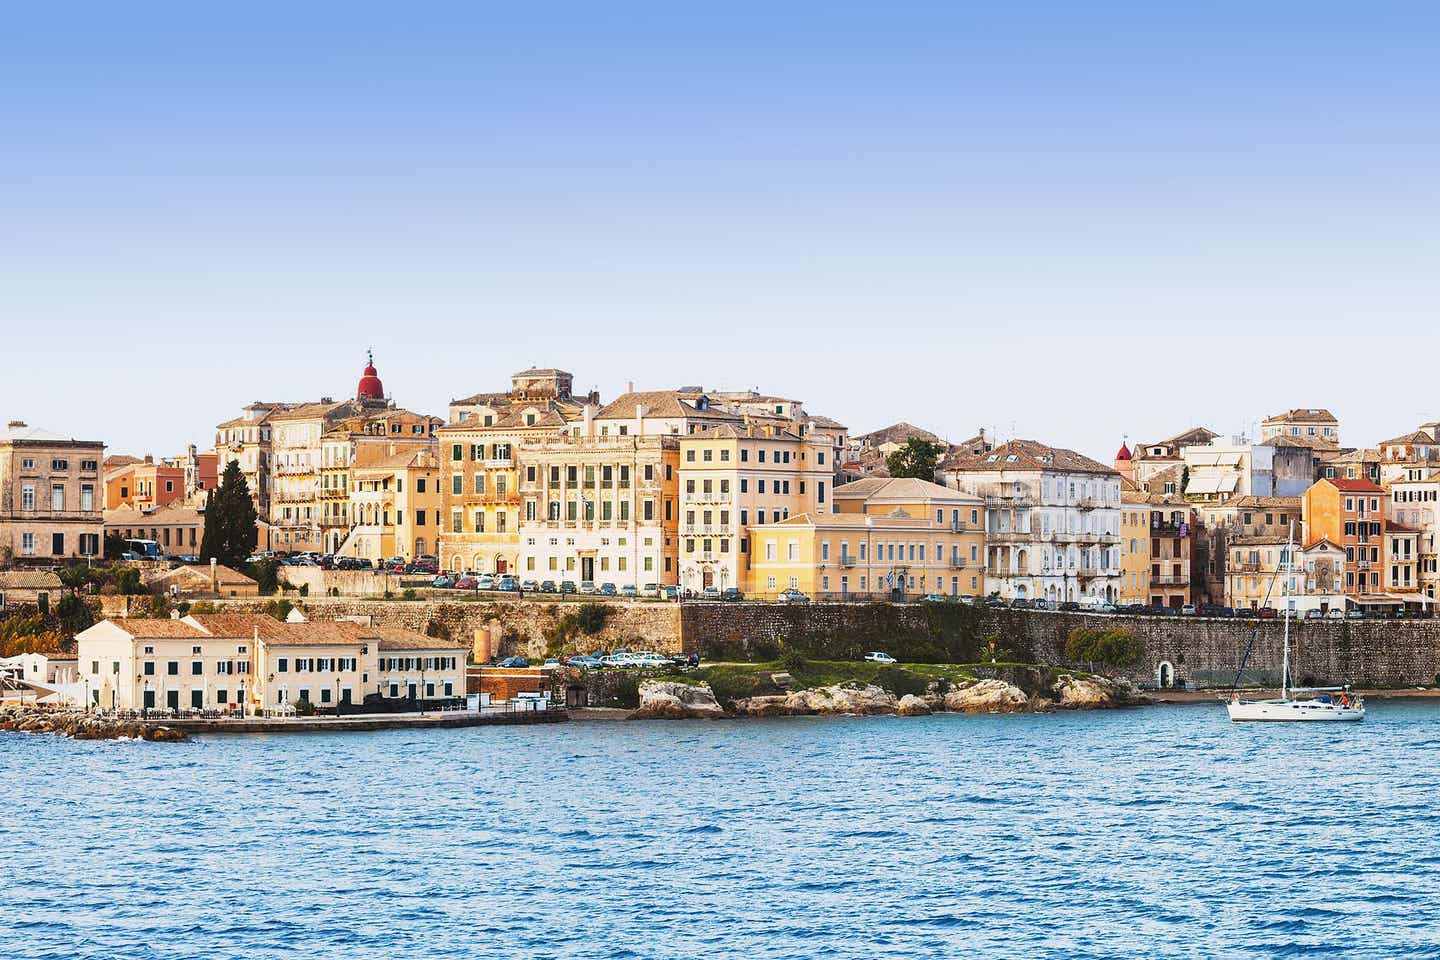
pixel 146 484
pixel 1350 514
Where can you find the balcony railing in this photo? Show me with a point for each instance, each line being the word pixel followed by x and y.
pixel 1170 580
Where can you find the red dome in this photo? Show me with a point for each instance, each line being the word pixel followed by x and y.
pixel 1124 453
pixel 370 387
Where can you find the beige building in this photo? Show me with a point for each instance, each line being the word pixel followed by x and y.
pixel 234 662
pixel 1236 516
pixel 1303 422
pixel 205 580
pixel 51 498
pixel 889 538
pixel 481 451
pixel 29 588
pixel 1156 549
pixel 732 476
pixel 395 507
pixel 177 528
pixel 1412 501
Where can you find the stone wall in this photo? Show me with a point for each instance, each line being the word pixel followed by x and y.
pixel 1204 652
pixel 508 627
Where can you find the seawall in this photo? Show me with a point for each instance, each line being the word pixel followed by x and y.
pixel 1201 651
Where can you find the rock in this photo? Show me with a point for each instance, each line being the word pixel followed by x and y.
pixel 667 700
pixel 165 735
pixel 79 725
pixel 770 706
pixel 842 698
pixel 1096 693
pixel 988 696
pixel 912 706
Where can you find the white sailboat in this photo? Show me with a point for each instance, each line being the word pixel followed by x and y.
pixel 1341 707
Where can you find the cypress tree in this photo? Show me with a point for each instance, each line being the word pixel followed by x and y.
pixel 229 520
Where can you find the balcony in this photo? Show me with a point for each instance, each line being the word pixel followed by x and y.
pixel 1245 567
pixel 1089 573
pixel 846 562
pixel 704 530
pixel 1086 504
pixel 960 563
pixel 1009 536
pixel 1170 580
pixel 1165 530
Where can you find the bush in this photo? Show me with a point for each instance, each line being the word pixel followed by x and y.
pixel 899 681
pixel 792 660
pixel 265 575
pixel 304 708
pixel 279 609
pixel 409 594
pixel 1109 646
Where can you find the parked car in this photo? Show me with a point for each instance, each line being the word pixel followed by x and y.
pixel 529 586
pixel 618 660
pixel 731 594
pixel 628 590
pixel 995 602
pixel 568 586
pixel 932 598
pixel 507 582
pixel 584 661
pixel 443 582
pixel 1107 608
pixel 685 659
pixel 710 593
pixel 1335 613
pixel 548 586
pixel 1354 615
pixel 466 583
pixel 793 596
pixel 879 656
pixel 588 588
pixel 651 661
pixel 608 590
pixel 670 592
pixel 1188 610
pixel 1020 603
pixel 551 663
pixel 650 591
pixel 1070 606
pixel 513 662
pixel 1267 613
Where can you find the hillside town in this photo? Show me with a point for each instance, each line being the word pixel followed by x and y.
pixel 691 493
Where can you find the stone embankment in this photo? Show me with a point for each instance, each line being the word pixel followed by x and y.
pixel 1025 691
pixel 83 726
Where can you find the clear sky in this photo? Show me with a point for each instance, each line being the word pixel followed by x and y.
pixel 1070 221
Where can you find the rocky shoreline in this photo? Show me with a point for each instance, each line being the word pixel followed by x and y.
pixel 79 725
pixel 1025 691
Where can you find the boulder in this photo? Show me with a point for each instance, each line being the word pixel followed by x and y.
pixel 667 700
pixel 840 698
pixel 988 696
pixel 1095 693
pixel 912 706
pixel 770 706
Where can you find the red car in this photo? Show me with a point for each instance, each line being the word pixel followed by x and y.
pixel 466 583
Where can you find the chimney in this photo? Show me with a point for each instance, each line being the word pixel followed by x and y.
pixel 629 386
pixel 15 425
pixel 588 413
pixel 149 458
pixel 215 576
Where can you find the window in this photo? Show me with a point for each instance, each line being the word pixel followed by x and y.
pixel 57 497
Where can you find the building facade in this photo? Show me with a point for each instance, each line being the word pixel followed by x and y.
pixel 51 498
pixel 1351 515
pixel 1052 527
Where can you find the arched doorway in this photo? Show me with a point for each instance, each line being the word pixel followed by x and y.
pixel 1164 675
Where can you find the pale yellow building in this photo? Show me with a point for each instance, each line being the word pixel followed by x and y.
pixel 733 476
pixel 395 507
pixel 890 538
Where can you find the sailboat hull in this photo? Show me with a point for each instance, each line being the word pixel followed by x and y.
pixel 1295 711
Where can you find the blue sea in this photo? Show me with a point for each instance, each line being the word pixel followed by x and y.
pixel 1162 832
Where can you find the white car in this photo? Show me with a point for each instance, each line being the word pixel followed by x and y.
pixel 879 656
pixel 650 661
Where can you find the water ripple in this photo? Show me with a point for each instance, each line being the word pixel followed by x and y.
pixel 1163 833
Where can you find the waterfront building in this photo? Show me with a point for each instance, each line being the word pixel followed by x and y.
pixel 1163 526
pixel 51 500
pixel 888 539
pixel 1234 517
pixel 602 509
pixel 481 448
pixel 232 662
pixel 733 476
pixel 1134 538
pixel 1413 501
pixel 1402 565
pixel 287 450
pixel 395 507
pixel 1306 422
pixel 1349 514
pixel 1052 526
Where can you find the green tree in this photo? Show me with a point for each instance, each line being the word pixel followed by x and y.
pixel 74 614
pixel 917 458
pixel 229 520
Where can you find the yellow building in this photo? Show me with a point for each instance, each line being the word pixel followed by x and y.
pixel 1134 547
pixel 889 538
pixel 734 476
pixel 395 505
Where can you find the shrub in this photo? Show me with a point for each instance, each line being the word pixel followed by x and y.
pixel 409 594
pixel 1110 646
pixel 265 574
pixel 792 660
pixel 899 681
pixel 279 609
pixel 590 617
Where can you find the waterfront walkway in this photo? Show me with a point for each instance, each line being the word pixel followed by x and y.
pixel 488 716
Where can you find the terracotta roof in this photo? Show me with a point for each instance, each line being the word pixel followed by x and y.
pixel 276 632
pixel 1028 455
pixel 1257 540
pixel 1353 486
pixel 825 423
pixel 662 403
pixel 28 580
pixel 907 489
pixel 157 629
pixel 1253 502
pixel 1315 414
pixel 316 410
pixel 1395 526
pixel 398 638
pixel 1418 436
pixel 1322 540
pixel 117 460
pixel 895 433
pixel 200 573
pixel 1313 443
pixel 542 372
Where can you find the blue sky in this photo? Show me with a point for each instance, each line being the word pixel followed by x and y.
pixel 1065 221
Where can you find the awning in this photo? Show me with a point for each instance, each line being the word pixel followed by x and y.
pixel 1202 485
pixel 1419 598
pixel 1377 600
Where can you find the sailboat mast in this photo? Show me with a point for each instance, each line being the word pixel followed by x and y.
pixel 1285 594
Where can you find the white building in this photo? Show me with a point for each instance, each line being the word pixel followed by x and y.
pixel 1052 520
